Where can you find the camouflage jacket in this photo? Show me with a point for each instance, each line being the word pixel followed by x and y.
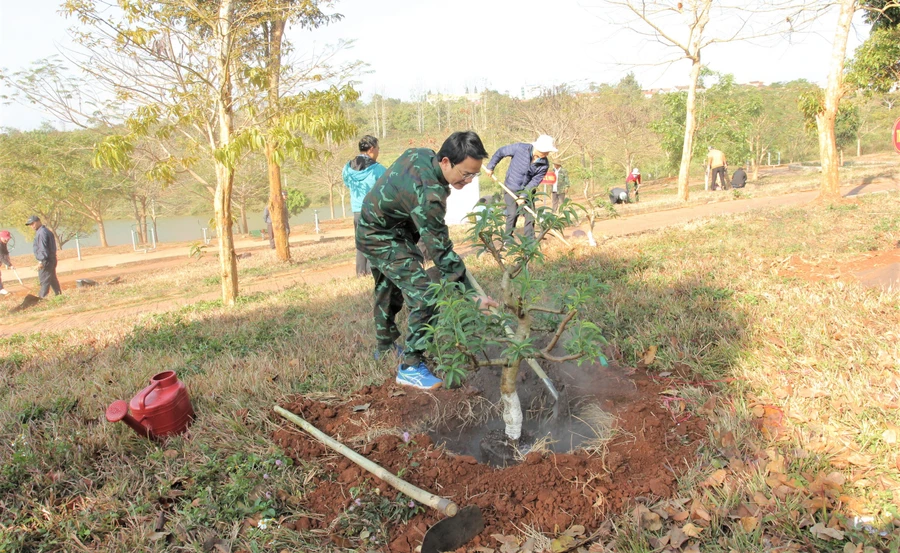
pixel 407 203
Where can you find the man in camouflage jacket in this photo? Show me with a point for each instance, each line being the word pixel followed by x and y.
pixel 407 203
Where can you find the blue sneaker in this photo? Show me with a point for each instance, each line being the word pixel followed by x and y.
pixel 418 376
pixel 394 348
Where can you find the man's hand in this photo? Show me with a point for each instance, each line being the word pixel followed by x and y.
pixel 10 267
pixel 484 303
pixel 520 201
pixel 488 172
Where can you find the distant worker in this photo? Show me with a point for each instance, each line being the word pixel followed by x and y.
pixel 558 194
pixel 526 171
pixel 716 163
pixel 360 175
pixel 739 178
pixel 267 217
pixel 618 195
pixel 634 179
pixel 5 237
pixel 45 252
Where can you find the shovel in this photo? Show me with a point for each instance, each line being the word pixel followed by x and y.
pixel 30 300
pixel 447 535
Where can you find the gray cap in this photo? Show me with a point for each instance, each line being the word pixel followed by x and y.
pixel 32 219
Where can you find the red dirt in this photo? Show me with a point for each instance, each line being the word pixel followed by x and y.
pixel 547 491
pixel 830 269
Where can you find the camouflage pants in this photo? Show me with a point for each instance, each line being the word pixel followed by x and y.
pixel 400 280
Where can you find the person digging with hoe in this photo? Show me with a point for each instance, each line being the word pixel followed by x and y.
pixel 45 252
pixel 527 167
pixel 5 237
pixel 407 203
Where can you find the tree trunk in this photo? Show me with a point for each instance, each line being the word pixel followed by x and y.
pixel 831 182
pixel 276 201
pixel 101 232
pixel 331 199
pixel 225 173
pixel 690 124
pixel 276 205
pixel 245 228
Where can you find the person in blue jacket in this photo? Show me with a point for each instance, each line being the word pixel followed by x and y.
pixel 527 167
pixel 360 175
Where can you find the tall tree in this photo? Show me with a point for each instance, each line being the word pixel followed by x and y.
pixel 684 27
pixel 827 105
pixel 282 85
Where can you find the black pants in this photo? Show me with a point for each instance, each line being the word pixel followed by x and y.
pixel 558 198
pixel 720 171
pixel 363 267
pixel 47 277
pixel 512 213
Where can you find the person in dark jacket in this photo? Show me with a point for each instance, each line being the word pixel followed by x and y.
pixel 267 218
pixel 739 178
pixel 5 237
pixel 45 252
pixel 527 167
pixel 360 175
pixel 618 195
pixel 408 203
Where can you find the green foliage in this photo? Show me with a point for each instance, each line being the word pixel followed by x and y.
pixel 670 127
pixel 846 124
pixel 49 173
pixel 875 66
pixel 463 336
pixel 297 201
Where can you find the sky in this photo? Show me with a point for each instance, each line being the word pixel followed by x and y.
pixel 505 45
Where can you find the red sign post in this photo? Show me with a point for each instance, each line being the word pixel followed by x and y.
pixel 895 135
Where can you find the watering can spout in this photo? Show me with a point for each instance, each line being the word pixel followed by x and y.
pixel 118 411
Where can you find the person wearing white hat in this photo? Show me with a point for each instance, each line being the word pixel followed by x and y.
pixel 527 167
pixel 634 179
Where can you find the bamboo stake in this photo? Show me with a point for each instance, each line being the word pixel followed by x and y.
pixel 441 504
pixel 554 232
pixel 509 332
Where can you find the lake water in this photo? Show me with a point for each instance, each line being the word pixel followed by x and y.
pixel 171 229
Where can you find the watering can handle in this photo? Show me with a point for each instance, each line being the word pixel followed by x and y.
pixel 142 397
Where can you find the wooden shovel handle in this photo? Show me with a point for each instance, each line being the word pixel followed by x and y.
pixel 441 504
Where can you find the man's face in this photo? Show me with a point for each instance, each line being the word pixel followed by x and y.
pixel 462 173
pixel 373 152
pixel 541 154
pixel 35 225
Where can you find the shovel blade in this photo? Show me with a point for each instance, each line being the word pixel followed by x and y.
pixel 454 532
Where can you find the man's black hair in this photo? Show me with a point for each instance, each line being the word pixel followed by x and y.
pixel 461 145
pixel 367 142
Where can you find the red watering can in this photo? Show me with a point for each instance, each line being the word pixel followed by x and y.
pixel 161 409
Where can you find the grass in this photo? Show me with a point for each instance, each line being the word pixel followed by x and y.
pixel 739 338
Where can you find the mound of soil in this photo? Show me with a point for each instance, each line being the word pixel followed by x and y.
pixel 547 491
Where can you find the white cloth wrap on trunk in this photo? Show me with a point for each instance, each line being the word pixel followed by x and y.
pixel 512 415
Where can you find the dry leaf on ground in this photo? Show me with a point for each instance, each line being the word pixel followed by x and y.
pixel 825 533
pixel 715 479
pixel 649 355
